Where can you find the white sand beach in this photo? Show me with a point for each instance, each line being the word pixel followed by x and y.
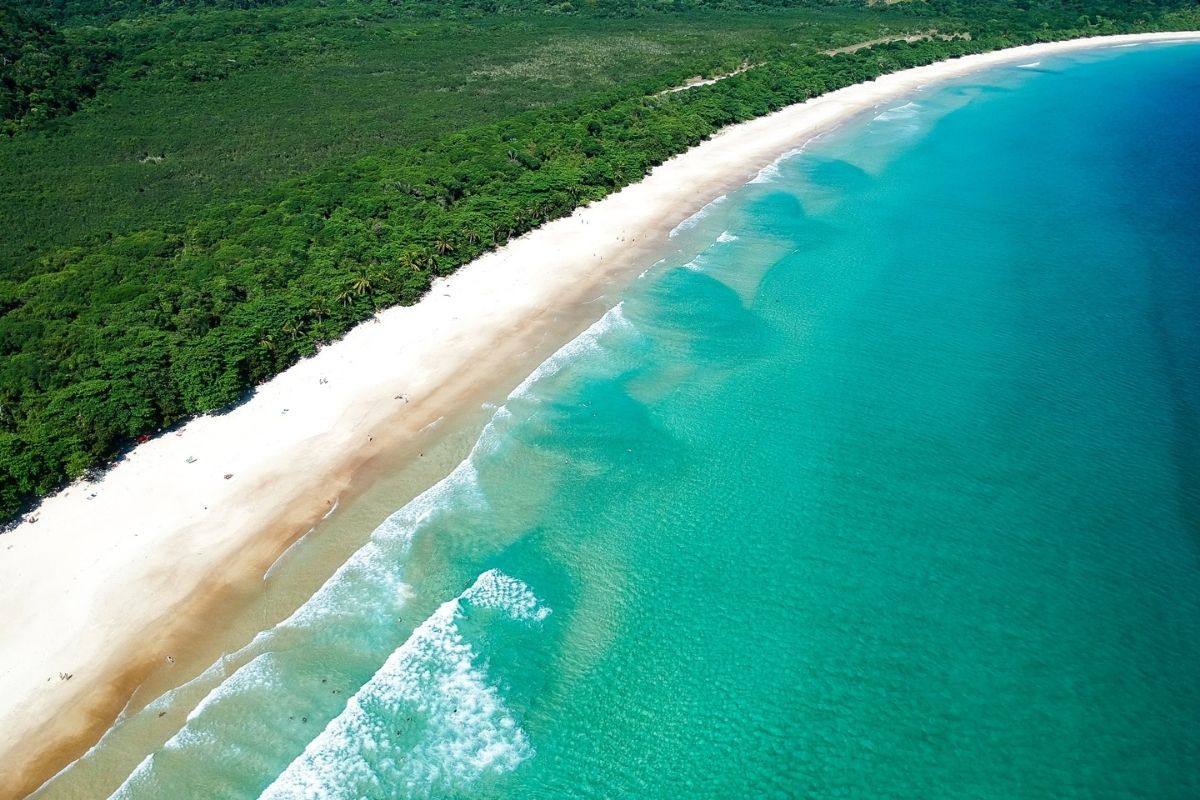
pixel 94 592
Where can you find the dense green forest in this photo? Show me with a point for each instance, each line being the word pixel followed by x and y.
pixel 43 76
pixel 197 193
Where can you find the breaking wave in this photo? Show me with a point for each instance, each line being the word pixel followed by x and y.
pixel 906 111
pixel 694 219
pixel 279 672
pixel 771 171
pixel 431 719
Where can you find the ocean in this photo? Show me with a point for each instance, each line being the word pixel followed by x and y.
pixel 884 483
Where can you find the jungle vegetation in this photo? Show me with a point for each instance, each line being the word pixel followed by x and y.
pixel 197 193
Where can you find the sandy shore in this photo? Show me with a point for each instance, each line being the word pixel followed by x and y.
pixel 113 573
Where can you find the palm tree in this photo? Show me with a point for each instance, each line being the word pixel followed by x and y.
pixel 345 297
pixel 409 261
pixel 292 329
pixel 267 343
pixel 444 246
pixel 361 283
pixel 471 235
pixel 318 310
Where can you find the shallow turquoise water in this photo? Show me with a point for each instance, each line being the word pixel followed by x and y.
pixel 888 486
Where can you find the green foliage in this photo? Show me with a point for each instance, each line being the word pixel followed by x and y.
pixel 41 75
pixel 135 327
pixel 205 106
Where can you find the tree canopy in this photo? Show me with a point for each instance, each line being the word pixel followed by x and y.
pixel 132 331
pixel 41 75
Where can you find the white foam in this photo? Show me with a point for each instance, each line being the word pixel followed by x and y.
pixel 694 219
pixel 494 589
pixel 287 551
pixel 161 703
pixel 376 569
pixel 726 236
pixel 428 427
pixel 463 729
pixel 253 675
pixel 906 111
pixel 375 563
pixel 585 343
pixel 648 269
pixel 1030 65
pixel 296 545
pixel 772 170
pixel 333 508
pixel 215 671
pixel 767 173
pixel 140 774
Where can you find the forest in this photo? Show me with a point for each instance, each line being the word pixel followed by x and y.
pixel 198 193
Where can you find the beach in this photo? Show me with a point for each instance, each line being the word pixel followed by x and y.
pixel 98 591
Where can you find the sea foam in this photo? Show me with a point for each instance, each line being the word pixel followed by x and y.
pixel 772 171
pixel 694 219
pixel 431 720
pixel 586 343
pixel 906 111
pixel 376 570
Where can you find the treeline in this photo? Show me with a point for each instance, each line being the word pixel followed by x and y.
pixel 45 75
pixel 208 106
pixel 113 339
pixel 988 16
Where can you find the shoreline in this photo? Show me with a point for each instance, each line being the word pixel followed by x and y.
pixel 76 588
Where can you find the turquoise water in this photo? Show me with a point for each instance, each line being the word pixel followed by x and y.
pixel 885 485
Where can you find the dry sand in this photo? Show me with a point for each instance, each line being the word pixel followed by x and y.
pixel 113 573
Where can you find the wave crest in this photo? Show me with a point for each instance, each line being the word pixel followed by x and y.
pixel 431 720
